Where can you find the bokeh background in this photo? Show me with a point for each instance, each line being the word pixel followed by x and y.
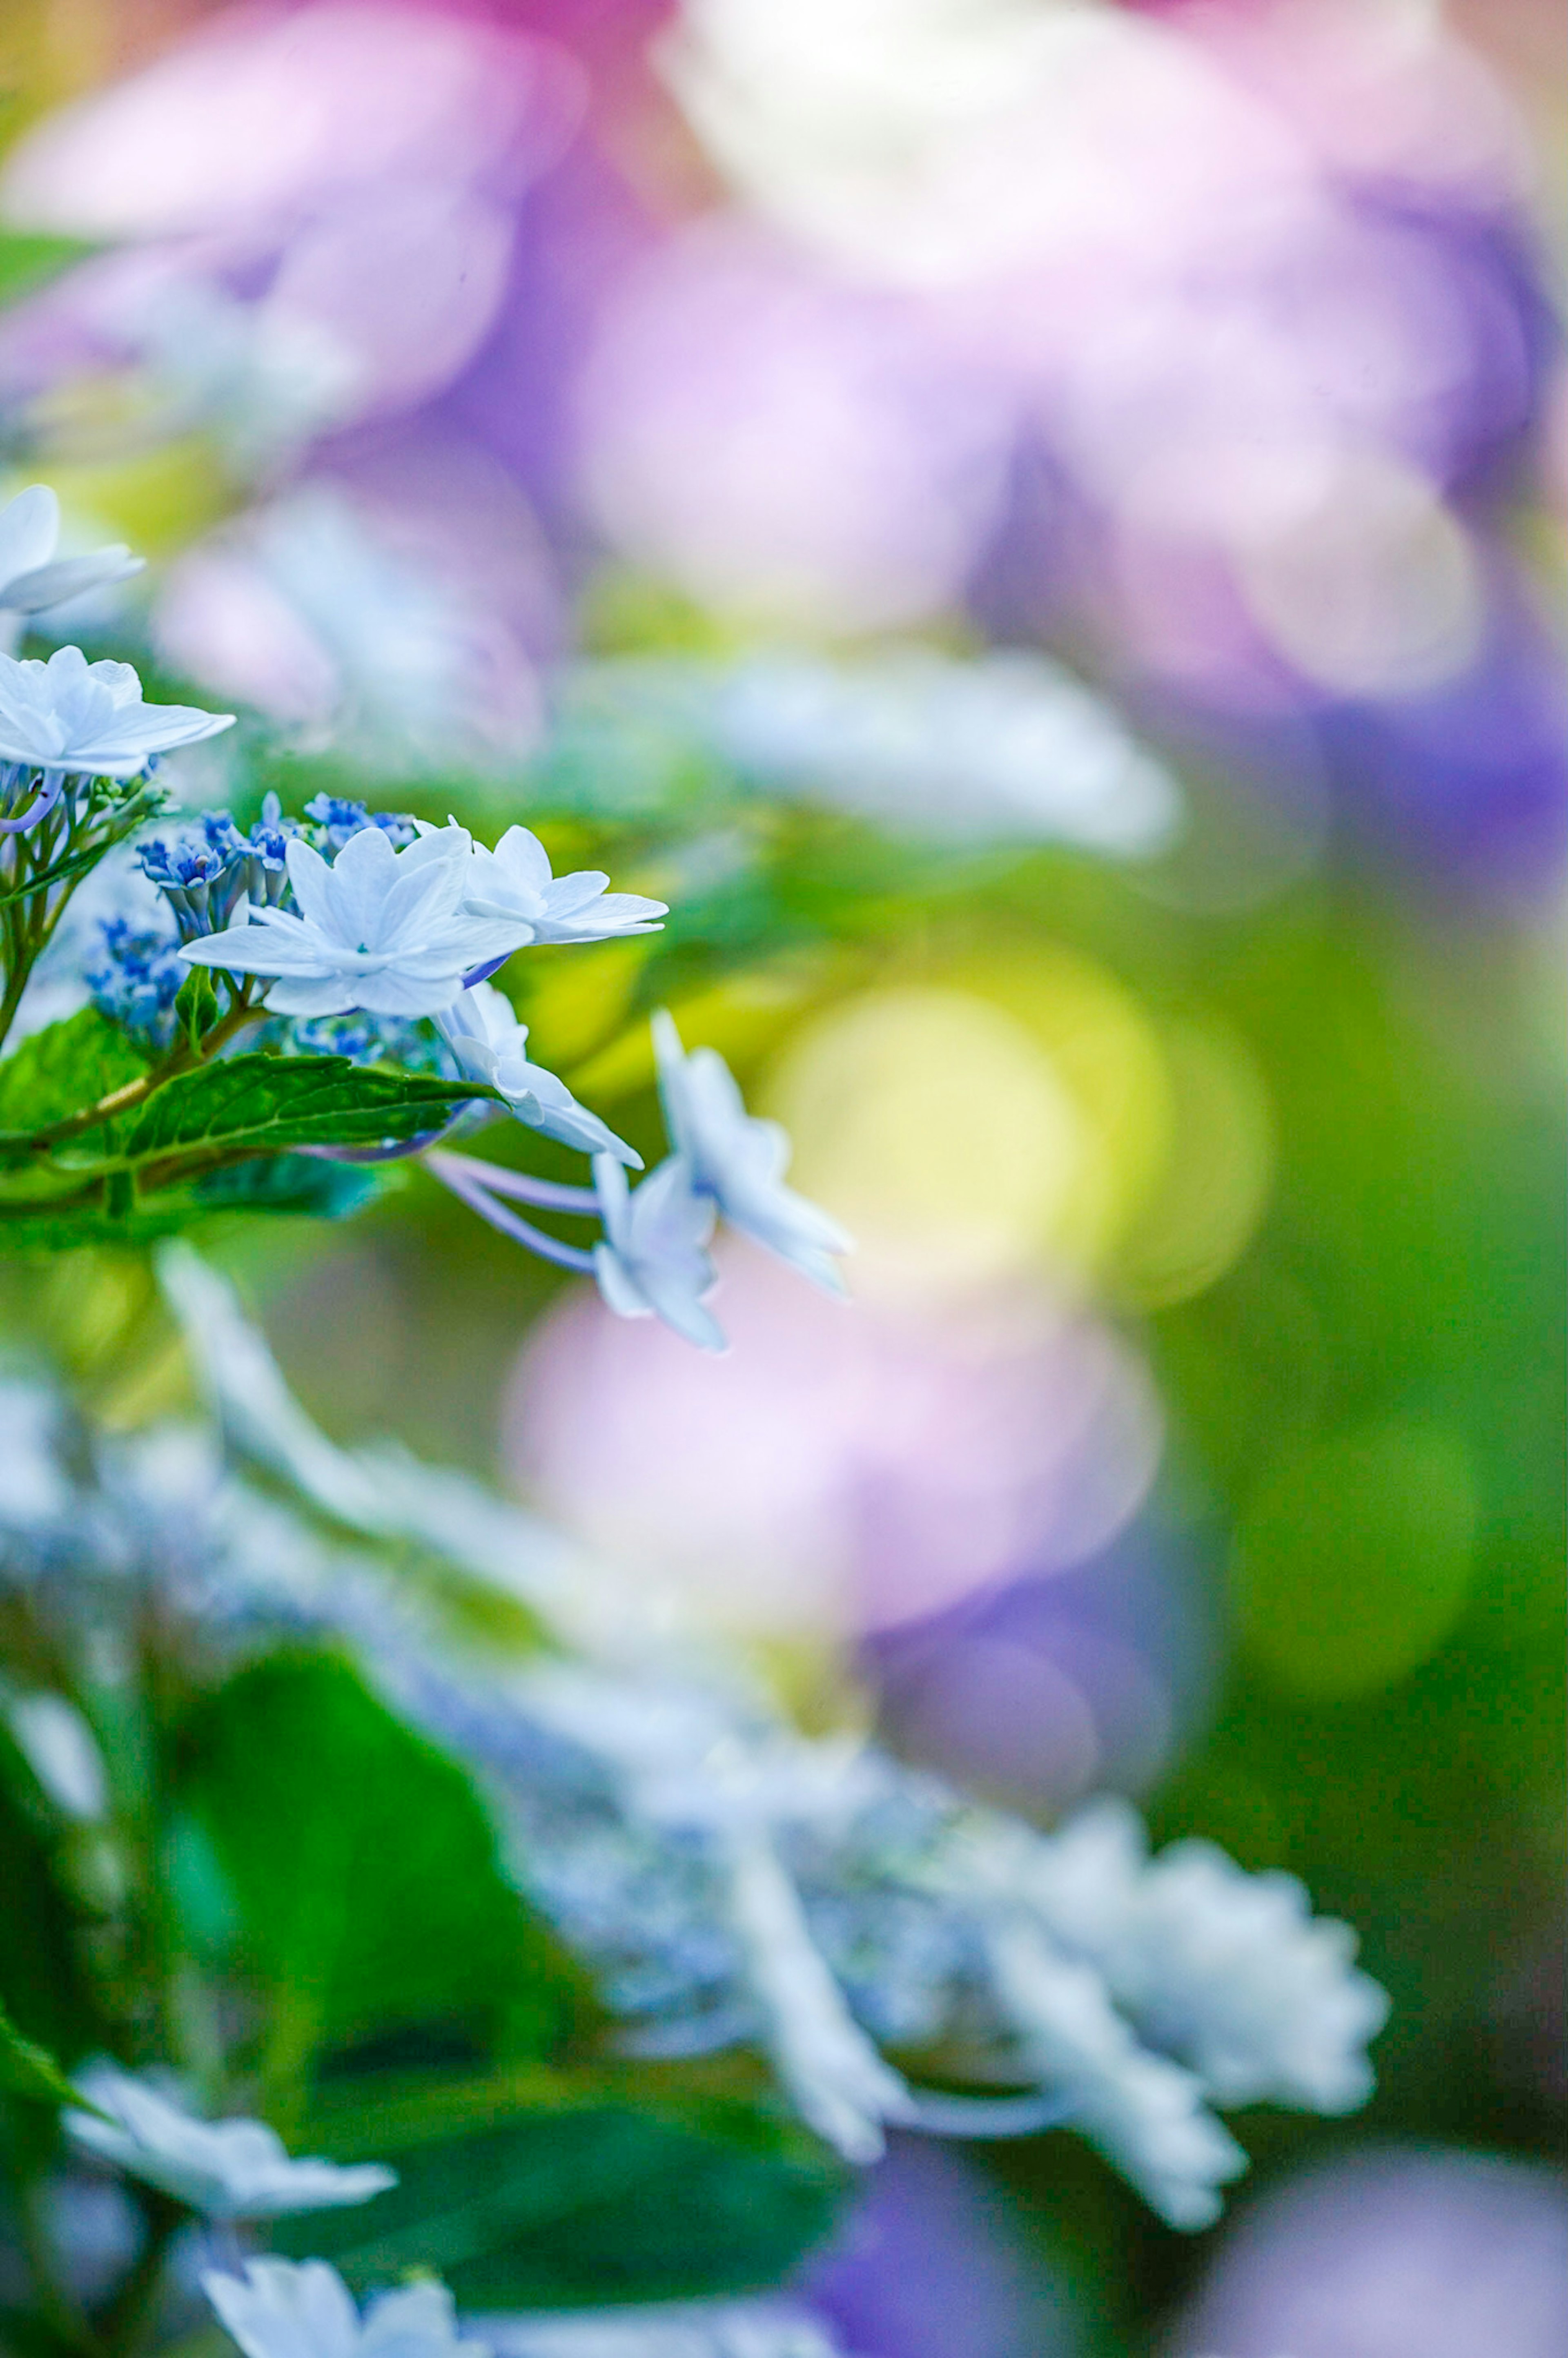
pixel 1038 527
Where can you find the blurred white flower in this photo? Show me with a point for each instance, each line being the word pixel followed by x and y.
pixel 70 715
pixel 230 2170
pixel 729 1880
pixel 490 1045
pixel 826 2062
pixel 1008 743
pixel 381 1493
pixel 513 883
pixel 355 622
pixel 380 929
pixel 688 1762
pixel 261 380
pixel 281 2309
pixel 1146 2113
pixel 1228 1971
pixel 739 1160
pixel 653 1260
pixel 32 579
pixel 61 1751
pixel 36 1498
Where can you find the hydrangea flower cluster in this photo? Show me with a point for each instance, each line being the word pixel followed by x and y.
pixel 732 1881
pixel 819 1900
pixel 366 918
pixel 728 1881
pixel 137 981
pixel 322 992
pixel 385 930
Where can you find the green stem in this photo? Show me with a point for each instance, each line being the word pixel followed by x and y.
pixel 182 1059
pixel 30 920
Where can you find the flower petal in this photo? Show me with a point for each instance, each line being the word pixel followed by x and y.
pixel 29 531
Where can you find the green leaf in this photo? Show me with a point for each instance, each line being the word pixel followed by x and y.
pixel 604 2203
pixel 30 259
pixel 260 1103
pixel 292 1183
pixel 363 1866
pixel 27 2070
pixel 299 1184
pixel 62 1068
pixel 196 1006
pixel 97 1219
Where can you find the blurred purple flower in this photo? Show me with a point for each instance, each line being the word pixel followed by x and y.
pixel 1392 2253
pixel 929 2264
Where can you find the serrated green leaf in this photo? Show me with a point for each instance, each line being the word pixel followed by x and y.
pixel 258 1104
pixel 62 1068
pixel 364 1866
pixel 608 2203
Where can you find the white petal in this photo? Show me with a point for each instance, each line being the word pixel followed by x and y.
pixel 309 875
pixel 416 2322
pixel 67 576
pixel 279 2310
pixel 29 531
pixel 354 890
pixel 304 995
pixel 287 946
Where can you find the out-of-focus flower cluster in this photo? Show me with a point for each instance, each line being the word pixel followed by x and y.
pixel 731 1881
pixel 1206 343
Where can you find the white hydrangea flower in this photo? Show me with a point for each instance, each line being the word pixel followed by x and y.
pixel 32 579
pixel 739 1160
pixel 1229 1971
pixel 1145 2113
pixel 88 719
pixel 513 883
pixel 731 1881
pixel 840 2085
pixel 653 1260
pixel 687 1763
pixel 378 929
pixel 383 1493
pixel 279 2309
pixel 490 1045
pixel 1006 743
pixel 230 2170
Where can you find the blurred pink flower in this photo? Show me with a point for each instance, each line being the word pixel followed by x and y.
pixel 269 114
pixel 838 1471
pixel 784 443
pixel 354 166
